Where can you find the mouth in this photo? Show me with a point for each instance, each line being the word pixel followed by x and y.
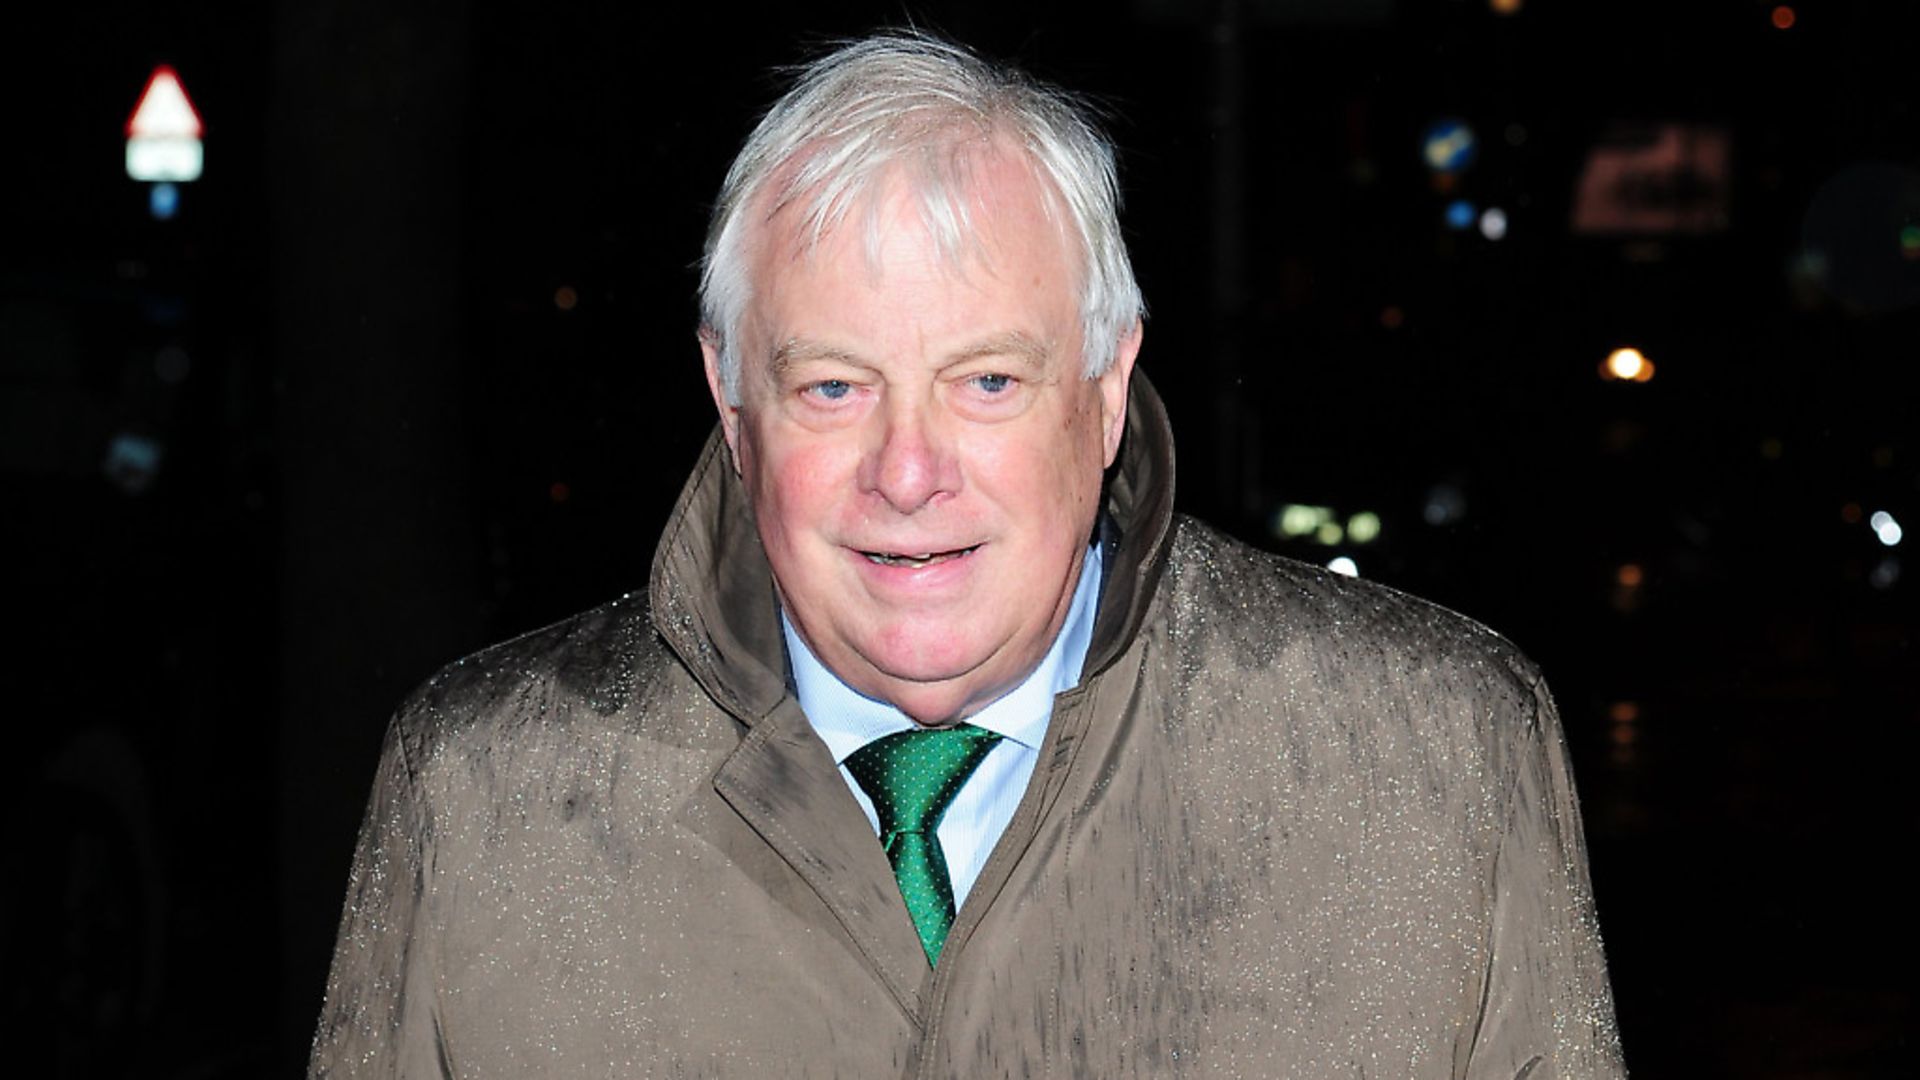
pixel 928 558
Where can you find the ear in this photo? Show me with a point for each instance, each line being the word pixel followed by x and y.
pixel 729 413
pixel 1113 390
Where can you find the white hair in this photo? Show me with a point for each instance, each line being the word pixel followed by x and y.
pixel 909 105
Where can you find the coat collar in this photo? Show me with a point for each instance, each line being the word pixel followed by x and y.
pixel 713 601
pixel 712 592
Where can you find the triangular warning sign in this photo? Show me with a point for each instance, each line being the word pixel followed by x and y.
pixel 164 111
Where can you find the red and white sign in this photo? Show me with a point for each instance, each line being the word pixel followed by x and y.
pixel 163 134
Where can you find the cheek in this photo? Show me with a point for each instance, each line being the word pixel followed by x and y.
pixel 1053 475
pixel 794 489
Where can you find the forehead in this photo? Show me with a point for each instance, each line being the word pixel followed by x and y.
pixel 979 213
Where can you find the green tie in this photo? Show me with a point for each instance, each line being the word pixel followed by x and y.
pixel 912 776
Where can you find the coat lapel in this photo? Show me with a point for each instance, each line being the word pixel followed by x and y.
pixel 782 781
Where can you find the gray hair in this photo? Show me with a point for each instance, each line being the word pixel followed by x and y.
pixel 907 99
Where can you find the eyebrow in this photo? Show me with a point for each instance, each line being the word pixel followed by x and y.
pixel 796 351
pixel 1014 344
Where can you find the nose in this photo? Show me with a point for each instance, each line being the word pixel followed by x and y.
pixel 912 464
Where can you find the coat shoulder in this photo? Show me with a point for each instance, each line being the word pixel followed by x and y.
pixel 1270 604
pixel 603 663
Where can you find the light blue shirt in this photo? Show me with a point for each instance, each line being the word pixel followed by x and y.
pixel 847 720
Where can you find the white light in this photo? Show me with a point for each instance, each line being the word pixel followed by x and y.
pixel 1343 565
pixel 1493 223
pixel 164 157
pixel 1884 527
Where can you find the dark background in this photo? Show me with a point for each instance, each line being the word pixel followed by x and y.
pixel 417 357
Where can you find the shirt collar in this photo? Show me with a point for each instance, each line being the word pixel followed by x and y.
pixel 847 720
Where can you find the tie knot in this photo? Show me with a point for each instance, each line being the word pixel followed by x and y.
pixel 912 776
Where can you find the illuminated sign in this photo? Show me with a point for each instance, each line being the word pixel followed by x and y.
pixel 163 134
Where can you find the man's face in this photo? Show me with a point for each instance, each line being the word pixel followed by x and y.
pixel 923 456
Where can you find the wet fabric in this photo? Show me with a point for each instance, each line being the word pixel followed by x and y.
pixel 1288 824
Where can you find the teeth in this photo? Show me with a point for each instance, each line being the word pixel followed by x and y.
pixel 923 559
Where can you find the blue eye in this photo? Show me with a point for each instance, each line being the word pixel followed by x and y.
pixel 832 389
pixel 993 384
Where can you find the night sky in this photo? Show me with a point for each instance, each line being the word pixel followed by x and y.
pixel 412 369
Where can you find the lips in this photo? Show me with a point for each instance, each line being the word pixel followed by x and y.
pixel 925 558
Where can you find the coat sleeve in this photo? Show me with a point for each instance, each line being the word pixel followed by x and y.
pixel 1547 1010
pixel 381 1016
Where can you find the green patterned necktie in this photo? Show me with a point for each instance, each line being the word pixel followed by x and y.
pixel 912 776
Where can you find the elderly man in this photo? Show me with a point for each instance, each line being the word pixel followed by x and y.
pixel 940 746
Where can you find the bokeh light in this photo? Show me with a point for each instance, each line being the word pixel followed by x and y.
pixel 1627 364
pixel 1363 527
pixel 1783 17
pixel 1493 223
pixel 163 201
pixel 1459 215
pixel 1885 527
pixel 1448 146
pixel 1445 504
pixel 1340 564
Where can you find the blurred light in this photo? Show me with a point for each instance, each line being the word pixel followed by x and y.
pixel 1505 7
pixel 1630 575
pixel 1885 573
pixel 1783 17
pixel 1850 513
pixel 1857 221
pixel 1445 505
pixel 1884 527
pixel 1329 533
pixel 559 492
pixel 1363 527
pixel 1627 365
pixel 1624 712
pixel 1340 564
pixel 171 364
pixel 565 298
pixel 163 201
pixel 1516 134
pixel 1883 457
pixel 132 461
pixel 163 134
pixel 1641 182
pixel 1448 146
pixel 1296 520
pixel 1493 223
pixel 1459 215
pixel 1910 241
pixel 1771 448
pixel 1392 317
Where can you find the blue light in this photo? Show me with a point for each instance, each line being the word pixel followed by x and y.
pixel 164 201
pixel 1460 215
pixel 1448 146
